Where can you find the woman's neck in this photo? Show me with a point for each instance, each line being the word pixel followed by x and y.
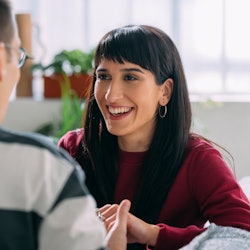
pixel 133 145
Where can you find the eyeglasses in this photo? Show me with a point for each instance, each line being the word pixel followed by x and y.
pixel 23 55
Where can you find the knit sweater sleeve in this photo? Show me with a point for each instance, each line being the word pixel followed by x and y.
pixel 215 191
pixel 171 238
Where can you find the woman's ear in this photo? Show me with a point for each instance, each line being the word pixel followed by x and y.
pixel 167 90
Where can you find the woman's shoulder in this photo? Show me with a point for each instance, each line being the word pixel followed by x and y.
pixel 71 140
pixel 198 142
pixel 201 152
pixel 74 133
pixel 205 155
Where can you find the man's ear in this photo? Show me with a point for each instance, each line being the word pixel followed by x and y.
pixel 167 90
pixel 2 61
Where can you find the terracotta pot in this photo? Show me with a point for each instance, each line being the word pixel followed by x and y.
pixel 24 23
pixel 79 84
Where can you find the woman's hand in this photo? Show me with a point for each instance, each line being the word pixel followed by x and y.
pixel 138 231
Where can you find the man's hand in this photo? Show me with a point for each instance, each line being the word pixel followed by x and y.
pixel 116 238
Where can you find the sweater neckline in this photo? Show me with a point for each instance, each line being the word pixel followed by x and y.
pixel 131 157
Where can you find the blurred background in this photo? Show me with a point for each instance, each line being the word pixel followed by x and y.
pixel 212 35
pixel 213 39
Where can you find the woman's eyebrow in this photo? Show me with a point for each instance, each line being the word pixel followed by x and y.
pixel 132 69
pixel 123 70
pixel 101 70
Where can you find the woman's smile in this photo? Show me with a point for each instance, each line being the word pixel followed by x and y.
pixel 118 111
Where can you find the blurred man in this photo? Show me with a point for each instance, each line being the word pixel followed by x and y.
pixel 44 203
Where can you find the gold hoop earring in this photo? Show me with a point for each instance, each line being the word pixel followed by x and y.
pixel 163 114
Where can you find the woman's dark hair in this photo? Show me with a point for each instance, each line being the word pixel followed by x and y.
pixel 153 50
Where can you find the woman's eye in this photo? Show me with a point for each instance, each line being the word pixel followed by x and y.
pixel 102 77
pixel 130 78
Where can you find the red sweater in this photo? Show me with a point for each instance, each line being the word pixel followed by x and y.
pixel 204 189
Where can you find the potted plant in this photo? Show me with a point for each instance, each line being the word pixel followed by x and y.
pixel 72 109
pixel 74 64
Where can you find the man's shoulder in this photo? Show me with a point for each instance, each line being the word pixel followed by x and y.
pixel 40 158
pixel 32 140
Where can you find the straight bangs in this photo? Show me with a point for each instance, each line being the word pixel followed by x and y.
pixel 125 45
pixel 139 45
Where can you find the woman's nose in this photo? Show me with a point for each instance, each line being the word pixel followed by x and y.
pixel 114 91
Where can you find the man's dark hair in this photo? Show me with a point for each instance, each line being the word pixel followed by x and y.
pixel 6 22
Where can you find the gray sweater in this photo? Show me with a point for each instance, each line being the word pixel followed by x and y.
pixel 220 238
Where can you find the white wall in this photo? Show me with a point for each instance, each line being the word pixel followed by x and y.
pixel 24 114
pixel 226 123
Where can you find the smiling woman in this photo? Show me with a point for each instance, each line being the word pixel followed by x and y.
pixel 137 144
pixel 132 84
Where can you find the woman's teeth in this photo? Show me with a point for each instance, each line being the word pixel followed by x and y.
pixel 118 111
